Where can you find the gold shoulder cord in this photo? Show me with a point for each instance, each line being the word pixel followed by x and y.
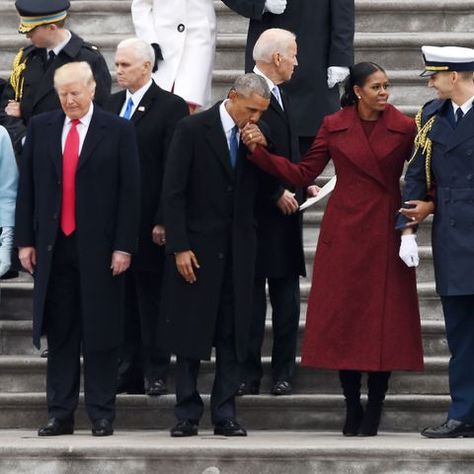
pixel 424 143
pixel 16 79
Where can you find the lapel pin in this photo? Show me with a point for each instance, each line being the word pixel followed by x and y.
pixel 141 108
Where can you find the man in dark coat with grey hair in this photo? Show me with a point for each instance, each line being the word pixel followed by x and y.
pixel 209 195
pixel 324 30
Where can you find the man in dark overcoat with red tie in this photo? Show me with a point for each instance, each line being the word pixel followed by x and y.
pixel 76 228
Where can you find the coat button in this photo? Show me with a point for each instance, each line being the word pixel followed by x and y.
pixel 469 152
pixel 181 27
pixel 451 222
pixel 469 177
pixel 59 182
pixel 49 248
pixel 220 256
pixel 55 216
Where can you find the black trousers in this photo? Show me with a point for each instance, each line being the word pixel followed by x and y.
pixel 139 355
pixel 285 300
pixel 64 330
pixel 459 320
pixel 189 405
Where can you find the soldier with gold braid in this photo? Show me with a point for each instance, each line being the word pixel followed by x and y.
pixel 30 90
pixel 440 180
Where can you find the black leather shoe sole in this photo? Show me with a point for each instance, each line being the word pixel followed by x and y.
pixel 58 430
pixel 184 430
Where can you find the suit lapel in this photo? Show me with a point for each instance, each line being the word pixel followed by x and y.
pixel 145 104
pixel 277 107
pixel 463 131
pixel 116 102
pixel 95 133
pixel 56 124
pixel 218 141
pixel 355 145
pixel 47 82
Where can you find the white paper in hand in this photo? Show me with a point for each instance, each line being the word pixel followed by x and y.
pixel 323 192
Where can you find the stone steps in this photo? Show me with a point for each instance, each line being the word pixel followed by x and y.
pixel 257 412
pixel 16 300
pixel 15 338
pixel 27 374
pixel 262 452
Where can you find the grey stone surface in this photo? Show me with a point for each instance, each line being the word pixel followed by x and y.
pixel 271 452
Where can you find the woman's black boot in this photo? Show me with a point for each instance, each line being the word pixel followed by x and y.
pixel 350 382
pixel 377 384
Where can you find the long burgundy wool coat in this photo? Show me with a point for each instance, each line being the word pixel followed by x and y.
pixel 363 307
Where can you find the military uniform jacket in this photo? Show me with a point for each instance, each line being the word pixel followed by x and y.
pixel 38 90
pixel 452 176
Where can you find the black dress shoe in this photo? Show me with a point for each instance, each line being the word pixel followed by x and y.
pixel 44 354
pixel 248 388
pixel 155 387
pixel 56 427
pixel 229 427
pixel 102 427
pixel 130 387
pixel 184 428
pixel 450 429
pixel 281 387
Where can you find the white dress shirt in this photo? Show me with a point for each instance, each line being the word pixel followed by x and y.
pixel 136 97
pixel 274 89
pixel 82 128
pixel 227 123
pixel 466 107
pixel 57 49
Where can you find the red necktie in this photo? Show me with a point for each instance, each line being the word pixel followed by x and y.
pixel 70 159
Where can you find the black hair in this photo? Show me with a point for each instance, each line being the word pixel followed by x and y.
pixel 357 77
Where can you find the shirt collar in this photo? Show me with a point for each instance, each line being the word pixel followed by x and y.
pixel 57 49
pixel 84 120
pixel 269 82
pixel 464 107
pixel 227 121
pixel 137 96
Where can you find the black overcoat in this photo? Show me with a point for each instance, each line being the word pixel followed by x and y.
pixel 107 205
pixel 209 209
pixel 279 238
pixel 155 119
pixel 324 32
pixel 38 91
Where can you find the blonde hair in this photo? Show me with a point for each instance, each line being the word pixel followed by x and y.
pixel 78 71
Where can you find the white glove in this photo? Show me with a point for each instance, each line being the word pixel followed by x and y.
pixel 409 250
pixel 276 7
pixel 336 74
pixel 6 244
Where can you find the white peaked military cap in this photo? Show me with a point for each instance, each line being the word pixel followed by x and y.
pixel 447 58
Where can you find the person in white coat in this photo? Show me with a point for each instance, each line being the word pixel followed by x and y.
pixel 185 30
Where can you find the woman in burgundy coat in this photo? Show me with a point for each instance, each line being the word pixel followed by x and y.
pixel 363 309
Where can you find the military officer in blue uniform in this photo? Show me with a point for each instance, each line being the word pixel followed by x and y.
pixel 30 89
pixel 440 179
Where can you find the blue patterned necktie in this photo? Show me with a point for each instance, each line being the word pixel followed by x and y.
pixel 128 110
pixel 233 146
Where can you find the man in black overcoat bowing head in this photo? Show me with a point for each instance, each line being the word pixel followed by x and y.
pixel 209 195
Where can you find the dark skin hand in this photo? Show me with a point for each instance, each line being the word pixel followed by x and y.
pixel 418 213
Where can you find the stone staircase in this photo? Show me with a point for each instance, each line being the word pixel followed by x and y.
pixel 282 429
